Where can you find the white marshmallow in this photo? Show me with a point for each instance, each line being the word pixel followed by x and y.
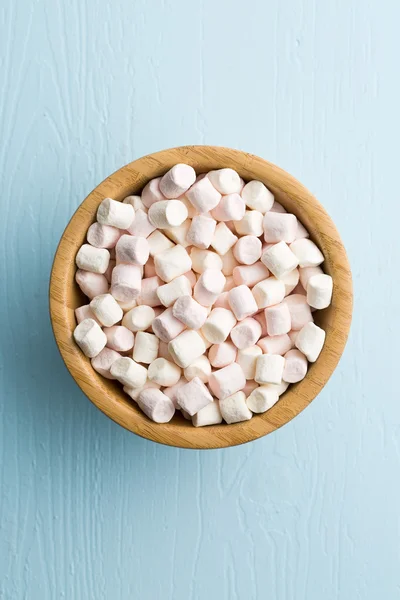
pixel 91 284
pixel 226 181
pixel 205 259
pixel 158 242
pixel 310 341
pixel 234 408
pixel 301 231
pixel 208 287
pixel 128 372
pixel 108 273
pixel 229 263
pixel 223 239
pixel 278 319
pixel 242 302
pixel 167 213
pixel 279 227
pixel 208 415
pixel 139 318
pixel 269 292
pixel 260 317
pixel 172 263
pixel 191 209
pixel 279 259
pixel 103 361
pixel 300 312
pixel 278 344
pixel 307 273
pixel 119 338
pixel 172 390
pixel 190 312
pixel 250 386
pixel 178 234
pixel 156 405
pixel 166 326
pixel 164 372
pixel 106 309
pixel 247 250
pixel 200 368
pixel 151 192
pixel 222 301
pixel 148 292
pixel 257 196
pixel 280 388
pixel 177 180
pixel 261 399
pixel 203 195
pixel 126 282
pixel 132 250
pixel 222 355
pixel 170 292
pixel 103 236
pixel 293 337
pixel 251 224
pixel 295 366
pixel 146 347
pixel 191 277
pixel 250 275
pixel 92 259
pixel 307 253
pixel 247 359
pixel 218 325
pixel 115 214
pixel 85 312
pixel 126 306
pixel 277 207
pixel 269 368
pixel 201 231
pixel 246 333
pixel 141 226
pixel 290 280
pixel 90 337
pixel 135 201
pixel 134 392
pixel 230 208
pixel 193 396
pixel 319 291
pixel 186 347
pixel 227 381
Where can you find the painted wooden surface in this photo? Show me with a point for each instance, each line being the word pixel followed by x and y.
pixel 88 510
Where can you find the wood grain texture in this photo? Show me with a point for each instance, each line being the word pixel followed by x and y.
pixel 107 395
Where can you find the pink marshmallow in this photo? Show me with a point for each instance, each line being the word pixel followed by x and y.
pixel 119 338
pixel 295 366
pixel 250 387
pixel 85 312
pixel 103 236
pixel 293 337
pixel 278 344
pixel 193 396
pixel 191 276
pixel 177 180
pixel 126 282
pixel 299 310
pixel 201 231
pixel 149 268
pixel 166 326
pixel 247 250
pixel 203 195
pixel 260 317
pixel 163 351
pixel 103 361
pixel 229 284
pixel 156 405
pixel 307 272
pixel 151 192
pixel 246 333
pixel 208 287
pixel 91 284
pixel 221 302
pixel 189 312
pixel 148 293
pixel 222 355
pixel 278 319
pixel 299 290
pixel 250 275
pixel 172 390
pixel 242 302
pixel 279 227
pixel 230 208
pixel 132 250
pixel 141 226
pixel 108 273
pixel 227 381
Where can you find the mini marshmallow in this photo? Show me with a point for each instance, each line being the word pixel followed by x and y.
pixel 307 253
pixel 166 326
pixel 127 306
pixel 135 201
pixel 167 213
pixel 208 415
pixel 134 392
pixel 126 282
pixel 172 390
pixel 206 343
pixel 295 366
pixel 222 301
pixel 170 292
pixel 156 405
pixel 132 250
pixel 200 368
pixel 249 387
pixel 278 344
pixel 226 181
pixel 301 231
pixel 146 347
pixel 177 180
pixel 139 318
pixel 300 312
pixel 90 337
pixel 310 341
pixel 227 381
pixel 319 291
pixel 108 273
pixel 293 337
pixel 230 208
pixel 222 355
pixel 158 242
pixel 250 224
pixel 205 259
pixel 277 207
pixel 103 361
pixel 151 192
pixel 278 319
pixel 171 263
pixel 103 236
pixel 179 233
pixel 141 226
pixel 279 259
pixel 246 333
pixel 300 290
pixel 92 259
pixel 190 312
pixel 164 372
pixel 234 408
pixel 223 239
pixel 247 358
pixel 193 396
pixel 260 317
pixel 148 293
pixel 290 280
pixel 191 277
pixel 85 312
pixel 163 351
pixel 201 231
pixel 186 347
pixel 218 325
pixel 269 292
pixel 261 399
pixel 208 287
pixel 106 309
pixel 191 209
pixel 242 302
pixel 257 196
pixel 250 275
pixel 269 368
pixel 115 214
pixel 279 227
pixel 229 284
pixel 247 250
pixel 280 388
pixel 119 338
pixel 229 262
pixel 203 195
pixel 128 372
pixel 307 273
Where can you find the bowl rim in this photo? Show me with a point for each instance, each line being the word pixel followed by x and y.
pixel 114 403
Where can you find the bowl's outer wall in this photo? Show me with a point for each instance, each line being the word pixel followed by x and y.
pixel 65 296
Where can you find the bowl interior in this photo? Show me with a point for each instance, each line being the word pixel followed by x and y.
pixel 107 395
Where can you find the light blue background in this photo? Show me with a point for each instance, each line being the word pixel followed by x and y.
pixel 88 510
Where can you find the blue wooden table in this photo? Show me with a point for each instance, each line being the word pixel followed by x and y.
pixel 89 511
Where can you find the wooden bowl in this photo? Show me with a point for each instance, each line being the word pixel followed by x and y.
pixel 107 395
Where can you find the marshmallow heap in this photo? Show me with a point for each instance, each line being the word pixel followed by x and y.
pixel 201 297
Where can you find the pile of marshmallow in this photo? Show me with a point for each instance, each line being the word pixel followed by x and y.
pixel 201 294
